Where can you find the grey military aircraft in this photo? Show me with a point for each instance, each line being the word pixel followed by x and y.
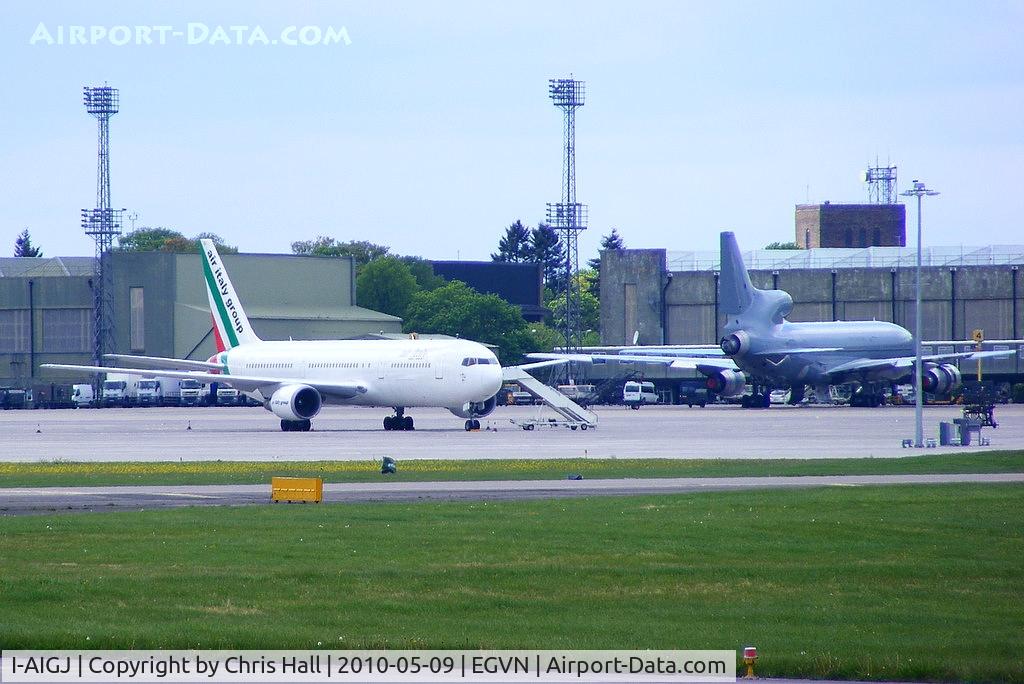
pixel 759 344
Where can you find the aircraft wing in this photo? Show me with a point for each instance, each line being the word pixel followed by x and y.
pixel 908 361
pixel 538 364
pixel 700 363
pixel 161 363
pixel 244 383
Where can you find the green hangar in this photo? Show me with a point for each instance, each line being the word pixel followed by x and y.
pixel 160 307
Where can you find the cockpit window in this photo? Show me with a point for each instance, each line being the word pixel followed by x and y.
pixel 469 361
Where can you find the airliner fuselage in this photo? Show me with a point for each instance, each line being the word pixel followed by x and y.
pixel 782 353
pixel 393 372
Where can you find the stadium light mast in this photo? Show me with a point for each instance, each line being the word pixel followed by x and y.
pixel 569 217
pixel 102 223
pixel 919 190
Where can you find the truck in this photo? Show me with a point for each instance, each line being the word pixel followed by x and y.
pixel 150 392
pixel 181 392
pixel 83 396
pixel 190 392
pixel 15 398
pixel 227 396
pixel 119 389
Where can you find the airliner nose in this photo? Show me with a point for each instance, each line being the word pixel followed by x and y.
pixel 492 380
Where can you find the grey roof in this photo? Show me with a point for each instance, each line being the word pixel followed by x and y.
pixel 41 267
pixel 338 313
pixel 866 257
pixel 288 312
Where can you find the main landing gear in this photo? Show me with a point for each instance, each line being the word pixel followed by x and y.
pixel 761 398
pixel 296 425
pixel 399 421
pixel 868 396
pixel 472 424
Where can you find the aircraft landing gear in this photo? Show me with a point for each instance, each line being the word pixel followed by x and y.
pixel 399 421
pixel 759 399
pixel 472 424
pixel 296 425
pixel 867 397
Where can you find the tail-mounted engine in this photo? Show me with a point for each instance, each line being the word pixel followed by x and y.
pixel 736 344
pixel 726 383
pixel 295 402
pixel 475 409
pixel 941 379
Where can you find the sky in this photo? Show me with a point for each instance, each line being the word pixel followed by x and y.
pixel 428 126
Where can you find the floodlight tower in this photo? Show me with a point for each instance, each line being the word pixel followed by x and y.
pixel 919 190
pixel 102 223
pixel 881 182
pixel 569 217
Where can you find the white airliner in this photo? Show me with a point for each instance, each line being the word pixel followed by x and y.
pixel 293 379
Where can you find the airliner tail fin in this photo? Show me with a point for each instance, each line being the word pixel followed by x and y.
pixel 230 324
pixel 736 290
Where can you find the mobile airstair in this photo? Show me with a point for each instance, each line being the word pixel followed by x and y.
pixel 571 414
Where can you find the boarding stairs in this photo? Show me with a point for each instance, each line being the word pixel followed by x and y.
pixel 571 412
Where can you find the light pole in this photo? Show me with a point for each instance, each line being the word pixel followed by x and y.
pixel 918 191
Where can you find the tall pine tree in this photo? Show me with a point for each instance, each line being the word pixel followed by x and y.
pixel 23 246
pixel 514 246
pixel 549 250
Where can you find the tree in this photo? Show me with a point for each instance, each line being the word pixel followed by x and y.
pixel 217 240
pixel 782 245
pixel 361 250
pixel 548 249
pixel 515 246
pixel 545 338
pixel 387 285
pixel 610 241
pixel 23 246
pixel 457 309
pixel 590 310
pixel 146 239
pixel 423 272
pixel 166 240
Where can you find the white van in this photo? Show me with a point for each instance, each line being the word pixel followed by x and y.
pixel 635 394
pixel 83 396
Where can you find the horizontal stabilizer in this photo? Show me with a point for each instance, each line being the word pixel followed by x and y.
pixel 161 363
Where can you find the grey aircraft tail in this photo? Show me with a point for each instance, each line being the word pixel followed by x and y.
pixel 744 304
pixel 736 293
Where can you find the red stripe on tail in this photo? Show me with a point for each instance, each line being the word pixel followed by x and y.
pixel 216 335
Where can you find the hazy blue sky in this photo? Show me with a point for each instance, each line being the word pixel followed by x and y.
pixel 432 129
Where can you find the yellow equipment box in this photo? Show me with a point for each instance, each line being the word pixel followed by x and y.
pixel 296 489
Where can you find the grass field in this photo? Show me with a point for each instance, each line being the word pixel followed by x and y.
pixel 60 473
pixel 872 582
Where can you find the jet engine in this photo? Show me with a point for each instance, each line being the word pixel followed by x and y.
pixel 736 344
pixel 295 402
pixel 475 409
pixel 726 383
pixel 941 379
